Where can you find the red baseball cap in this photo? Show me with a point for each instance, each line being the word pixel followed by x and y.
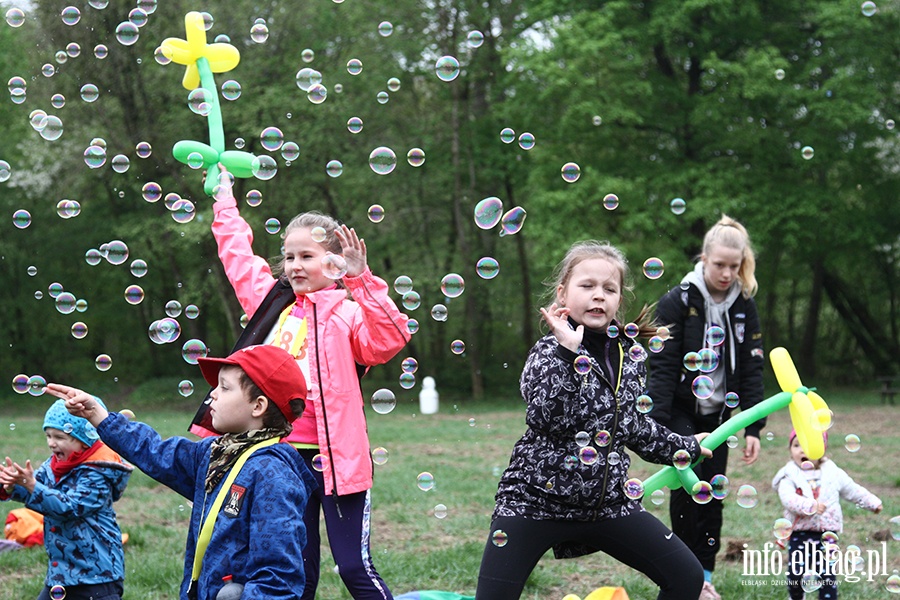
pixel 271 368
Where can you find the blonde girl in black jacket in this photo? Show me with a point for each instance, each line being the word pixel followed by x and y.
pixel 711 316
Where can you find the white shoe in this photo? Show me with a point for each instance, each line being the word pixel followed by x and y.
pixel 708 592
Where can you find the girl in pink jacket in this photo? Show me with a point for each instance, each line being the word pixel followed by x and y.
pixel 330 312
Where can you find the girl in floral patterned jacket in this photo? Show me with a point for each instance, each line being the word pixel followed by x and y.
pixel 567 485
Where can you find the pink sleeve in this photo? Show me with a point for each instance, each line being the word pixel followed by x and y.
pixel 378 328
pixel 249 275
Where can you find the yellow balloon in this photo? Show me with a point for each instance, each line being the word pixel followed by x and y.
pixel 608 593
pixel 802 418
pixel 571 597
pixel 787 375
pixel 222 57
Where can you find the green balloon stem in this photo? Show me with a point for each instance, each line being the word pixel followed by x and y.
pixel 214 118
pixel 669 476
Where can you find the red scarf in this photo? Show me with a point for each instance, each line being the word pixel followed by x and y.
pixel 61 467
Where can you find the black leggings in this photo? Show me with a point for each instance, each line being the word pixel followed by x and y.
pixel 699 525
pixel 639 540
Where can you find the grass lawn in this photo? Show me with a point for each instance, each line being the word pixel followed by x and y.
pixel 465 447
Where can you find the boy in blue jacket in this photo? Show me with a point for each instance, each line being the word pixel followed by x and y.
pixel 74 489
pixel 247 517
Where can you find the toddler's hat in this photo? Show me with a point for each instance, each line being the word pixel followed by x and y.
pixel 271 368
pixel 794 434
pixel 79 428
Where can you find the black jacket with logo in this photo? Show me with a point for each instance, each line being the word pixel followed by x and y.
pixel 682 310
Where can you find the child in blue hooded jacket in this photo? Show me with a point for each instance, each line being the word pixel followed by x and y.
pixel 74 489
pixel 249 491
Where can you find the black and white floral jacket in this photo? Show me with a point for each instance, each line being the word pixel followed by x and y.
pixel 551 475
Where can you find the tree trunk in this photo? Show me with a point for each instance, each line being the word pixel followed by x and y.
pixel 806 361
pixel 881 349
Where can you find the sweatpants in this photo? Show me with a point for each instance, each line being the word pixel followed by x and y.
pixel 699 525
pixel 347 525
pixel 638 540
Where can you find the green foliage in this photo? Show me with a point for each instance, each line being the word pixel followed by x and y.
pixel 688 103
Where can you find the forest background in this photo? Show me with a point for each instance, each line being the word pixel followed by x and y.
pixel 709 101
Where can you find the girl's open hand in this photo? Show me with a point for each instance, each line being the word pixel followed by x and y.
pixel 557 319
pixel 705 452
pixel 78 402
pixel 353 248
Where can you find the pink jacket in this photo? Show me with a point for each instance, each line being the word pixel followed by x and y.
pixel 366 330
pixel 800 506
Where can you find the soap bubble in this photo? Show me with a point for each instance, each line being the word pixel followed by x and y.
pixel 488 212
pixel 807 152
pixel 403 284
pixel 383 401
pixel 499 538
pixel 610 202
pixel 103 362
pixel 453 285
pixel 415 157
pixel 702 492
pixel 127 33
pixel 869 8
pixel 634 488
pixel 382 160
pixel 447 68
pixel 354 125
pixel 379 455
pixel 653 268
pixel 192 350
pixel 334 266
pixel 507 135
pixel 439 312
pixel 411 300
pixel 487 267
pixel 851 443
pixel 475 39
pixel 512 221
pixel 747 496
pixel 571 172
pixel 231 90
pixel 582 364
pixel 526 141
pixel 425 481
pixel 681 459
pixel 677 206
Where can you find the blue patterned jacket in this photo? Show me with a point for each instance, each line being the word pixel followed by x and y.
pixel 259 534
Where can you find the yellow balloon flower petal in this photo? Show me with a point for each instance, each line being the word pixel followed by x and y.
pixel 222 57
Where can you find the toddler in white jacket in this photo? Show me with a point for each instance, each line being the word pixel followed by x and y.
pixel 811 492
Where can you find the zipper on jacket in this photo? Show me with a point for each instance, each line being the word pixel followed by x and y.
pixel 324 414
pixel 615 390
